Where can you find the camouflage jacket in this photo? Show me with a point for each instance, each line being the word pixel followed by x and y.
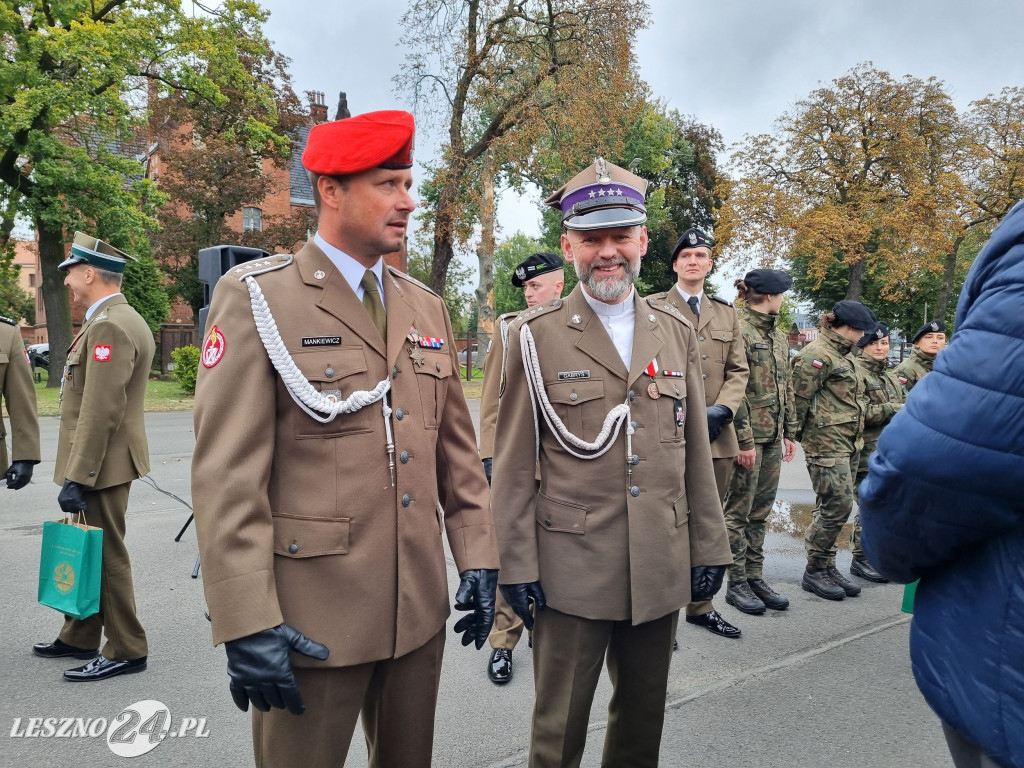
pixel 914 368
pixel 885 396
pixel 768 411
pixel 830 401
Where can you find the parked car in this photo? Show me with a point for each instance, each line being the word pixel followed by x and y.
pixel 478 356
pixel 39 355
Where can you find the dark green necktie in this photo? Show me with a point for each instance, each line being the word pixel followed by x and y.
pixel 374 306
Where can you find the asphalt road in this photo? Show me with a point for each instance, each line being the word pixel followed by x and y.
pixel 821 684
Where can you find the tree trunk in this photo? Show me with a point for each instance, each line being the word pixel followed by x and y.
pixel 55 299
pixel 856 287
pixel 485 253
pixel 948 275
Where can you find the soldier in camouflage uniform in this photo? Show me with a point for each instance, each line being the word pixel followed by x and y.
pixel 885 396
pixel 929 339
pixel 766 428
pixel 830 408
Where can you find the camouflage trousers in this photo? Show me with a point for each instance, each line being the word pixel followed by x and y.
pixel 832 478
pixel 862 472
pixel 748 503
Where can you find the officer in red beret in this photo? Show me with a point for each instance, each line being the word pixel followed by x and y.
pixel 333 446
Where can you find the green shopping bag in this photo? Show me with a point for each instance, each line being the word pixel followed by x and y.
pixel 69 567
pixel 908 596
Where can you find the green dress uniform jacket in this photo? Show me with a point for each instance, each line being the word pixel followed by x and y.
pixel 19 395
pixel 494 372
pixel 769 409
pixel 830 402
pixel 300 522
pixel 611 538
pixel 914 368
pixel 102 439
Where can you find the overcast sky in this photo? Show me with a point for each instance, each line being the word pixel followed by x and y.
pixel 735 64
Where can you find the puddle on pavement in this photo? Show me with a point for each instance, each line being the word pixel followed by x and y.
pixel 792 520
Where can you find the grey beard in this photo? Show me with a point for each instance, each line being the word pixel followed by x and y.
pixel 608 290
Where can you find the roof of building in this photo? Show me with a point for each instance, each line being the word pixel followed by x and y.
pixel 301 190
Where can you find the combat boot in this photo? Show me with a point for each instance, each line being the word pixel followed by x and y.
pixel 818 581
pixel 851 589
pixel 768 596
pixel 740 596
pixel 864 569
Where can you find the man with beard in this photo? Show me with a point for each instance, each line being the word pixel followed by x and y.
pixel 626 525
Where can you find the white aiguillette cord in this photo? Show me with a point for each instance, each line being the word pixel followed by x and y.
pixel 612 422
pixel 305 395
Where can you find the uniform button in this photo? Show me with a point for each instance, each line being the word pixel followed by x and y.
pixel 633 424
pixel 329 371
pixel 406 500
pixel 677 393
pixel 438 366
pixel 574 396
pixel 634 491
pixel 547 523
pixel 632 395
pixel 394 372
pixel 92 474
pixel 556 303
pixel 293 548
pixel 399 414
pixel 703 357
pixel 703 376
pixel 634 459
pixel 404 457
pixel 701 338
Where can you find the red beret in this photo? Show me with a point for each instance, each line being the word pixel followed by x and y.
pixel 376 139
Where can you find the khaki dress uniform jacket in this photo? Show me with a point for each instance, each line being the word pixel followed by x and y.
pixel 611 538
pixel 494 373
pixel 19 395
pixel 298 521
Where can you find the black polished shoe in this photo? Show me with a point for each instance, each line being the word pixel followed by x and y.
pixel 499 666
pixel 58 649
pixel 818 581
pixel 713 622
pixel 768 596
pixel 101 668
pixel 742 598
pixel 865 570
pixel 851 589
pixel 675 644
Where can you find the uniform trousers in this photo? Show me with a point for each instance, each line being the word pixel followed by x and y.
pixel 747 507
pixel 862 471
pixel 126 639
pixel 723 474
pixel 507 627
pixel 964 753
pixel 568 652
pixel 832 479
pixel 396 698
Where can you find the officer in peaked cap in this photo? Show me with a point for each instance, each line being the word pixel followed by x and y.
pixel 324 471
pixel 19 395
pixel 101 449
pixel 603 397
pixel 928 341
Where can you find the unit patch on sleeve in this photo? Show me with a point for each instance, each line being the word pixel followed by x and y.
pixel 213 349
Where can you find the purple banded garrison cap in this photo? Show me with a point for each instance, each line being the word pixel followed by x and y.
pixel 86 249
pixel 601 197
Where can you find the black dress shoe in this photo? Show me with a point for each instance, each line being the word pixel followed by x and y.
pixel 499 667
pixel 58 649
pixel 865 570
pixel 851 589
pixel 101 668
pixel 713 622
pixel 768 596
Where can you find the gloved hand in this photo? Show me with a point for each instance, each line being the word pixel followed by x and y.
pixel 476 593
pixel 261 671
pixel 718 417
pixel 487 469
pixel 18 474
pixel 518 596
pixel 72 497
pixel 705 581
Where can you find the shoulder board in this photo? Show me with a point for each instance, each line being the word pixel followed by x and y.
pixel 508 317
pixel 413 280
pixel 259 266
pixel 659 296
pixel 7 320
pixel 720 301
pixel 527 315
pixel 667 307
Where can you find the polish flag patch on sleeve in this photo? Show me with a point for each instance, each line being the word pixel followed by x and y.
pixel 101 353
pixel 817 363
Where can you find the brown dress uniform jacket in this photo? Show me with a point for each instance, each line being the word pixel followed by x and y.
pixel 608 539
pixel 102 440
pixel 494 373
pixel 298 521
pixel 19 395
pixel 723 360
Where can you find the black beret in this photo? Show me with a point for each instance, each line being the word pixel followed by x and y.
pixel 935 326
pixel 854 314
pixel 768 280
pixel 691 238
pixel 534 265
pixel 880 331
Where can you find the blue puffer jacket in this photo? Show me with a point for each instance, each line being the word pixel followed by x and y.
pixel 944 501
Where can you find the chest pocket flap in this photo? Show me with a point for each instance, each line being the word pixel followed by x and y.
pixel 575 392
pixel 326 366
pixel 438 364
pixel 671 386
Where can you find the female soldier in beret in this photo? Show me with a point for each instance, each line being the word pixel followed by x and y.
pixel 830 407
pixel 929 339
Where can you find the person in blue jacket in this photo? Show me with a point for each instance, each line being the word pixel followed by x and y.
pixel 944 502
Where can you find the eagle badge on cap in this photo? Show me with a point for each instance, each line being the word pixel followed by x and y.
pixel 693 238
pixel 601 169
pixel 521 273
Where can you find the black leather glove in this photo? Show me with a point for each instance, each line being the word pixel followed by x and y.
pixel 72 497
pixel 261 671
pixel 705 581
pixel 476 593
pixel 718 417
pixel 18 474
pixel 518 596
pixel 487 469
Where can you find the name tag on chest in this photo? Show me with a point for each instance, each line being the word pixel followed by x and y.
pixel 321 341
pixel 571 375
